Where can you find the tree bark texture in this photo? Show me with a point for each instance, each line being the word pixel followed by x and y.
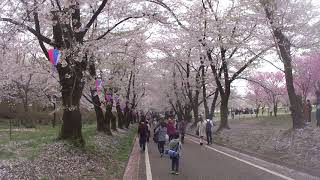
pixel 99 113
pixel 120 116
pixel 283 44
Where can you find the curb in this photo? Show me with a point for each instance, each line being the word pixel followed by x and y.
pixel 133 162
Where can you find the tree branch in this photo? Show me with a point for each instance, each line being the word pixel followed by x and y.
pixel 118 23
pixel 34 32
pixel 38 30
pixel 93 18
pixel 236 74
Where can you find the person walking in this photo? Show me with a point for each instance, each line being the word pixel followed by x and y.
pixel 170 129
pixel 182 129
pixel 209 128
pixel 161 133
pixel 143 133
pixel 201 128
pixel 175 153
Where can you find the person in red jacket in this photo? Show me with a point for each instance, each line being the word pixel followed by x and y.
pixel 171 130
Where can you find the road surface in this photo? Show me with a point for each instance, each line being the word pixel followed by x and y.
pixel 213 163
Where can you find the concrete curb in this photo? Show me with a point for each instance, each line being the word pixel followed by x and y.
pixel 132 168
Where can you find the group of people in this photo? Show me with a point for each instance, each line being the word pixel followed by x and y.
pixel 171 131
pixel 205 128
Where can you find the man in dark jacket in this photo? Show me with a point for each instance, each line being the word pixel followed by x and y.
pixel 143 134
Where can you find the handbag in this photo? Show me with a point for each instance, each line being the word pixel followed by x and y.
pixel 197 132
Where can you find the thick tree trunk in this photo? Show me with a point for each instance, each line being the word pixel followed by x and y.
pixel 108 118
pixel 113 121
pixel 213 104
pixel 224 112
pixel 127 116
pixel 283 44
pixel 98 110
pixel 195 110
pixel 120 116
pixel 187 114
pixel 71 94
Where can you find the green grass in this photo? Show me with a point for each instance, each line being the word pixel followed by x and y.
pixel 32 141
pixel 29 144
pixel 7 154
pixel 122 154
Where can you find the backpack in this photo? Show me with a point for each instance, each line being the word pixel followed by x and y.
pixel 173 153
pixel 208 126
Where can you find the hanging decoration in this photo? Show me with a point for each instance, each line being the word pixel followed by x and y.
pixel 98 83
pixel 54 56
pixel 117 98
pixel 108 97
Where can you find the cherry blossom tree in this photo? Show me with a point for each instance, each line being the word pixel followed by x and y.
pixel 291 28
pixel 307 73
pixel 75 27
pixel 267 87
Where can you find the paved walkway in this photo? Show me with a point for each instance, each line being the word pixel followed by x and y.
pixel 213 163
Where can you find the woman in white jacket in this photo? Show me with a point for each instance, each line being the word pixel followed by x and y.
pixel 201 127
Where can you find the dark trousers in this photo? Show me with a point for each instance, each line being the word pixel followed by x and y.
pixel 142 142
pixel 148 136
pixel 209 137
pixel 161 146
pixel 170 137
pixel 182 138
pixel 175 164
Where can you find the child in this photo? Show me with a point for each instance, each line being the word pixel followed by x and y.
pixel 175 147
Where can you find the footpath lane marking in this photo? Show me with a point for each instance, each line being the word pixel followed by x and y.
pixel 244 161
pixel 148 167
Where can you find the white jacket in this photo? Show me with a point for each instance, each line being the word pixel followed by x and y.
pixel 201 126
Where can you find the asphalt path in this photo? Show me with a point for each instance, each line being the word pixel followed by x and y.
pixel 206 163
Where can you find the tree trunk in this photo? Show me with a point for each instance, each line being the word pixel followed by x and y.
pixel 113 120
pixel 120 116
pixel 99 113
pixel 187 114
pixel 224 112
pixel 257 111
pixel 283 44
pixel 127 116
pixel 275 109
pixel 54 115
pixel 204 92
pixel 71 94
pixel 213 104
pixel 108 118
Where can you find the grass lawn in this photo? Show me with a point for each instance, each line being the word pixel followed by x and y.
pixel 109 152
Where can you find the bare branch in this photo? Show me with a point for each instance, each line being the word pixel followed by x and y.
pixel 236 74
pixel 33 31
pixel 118 23
pixel 93 18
